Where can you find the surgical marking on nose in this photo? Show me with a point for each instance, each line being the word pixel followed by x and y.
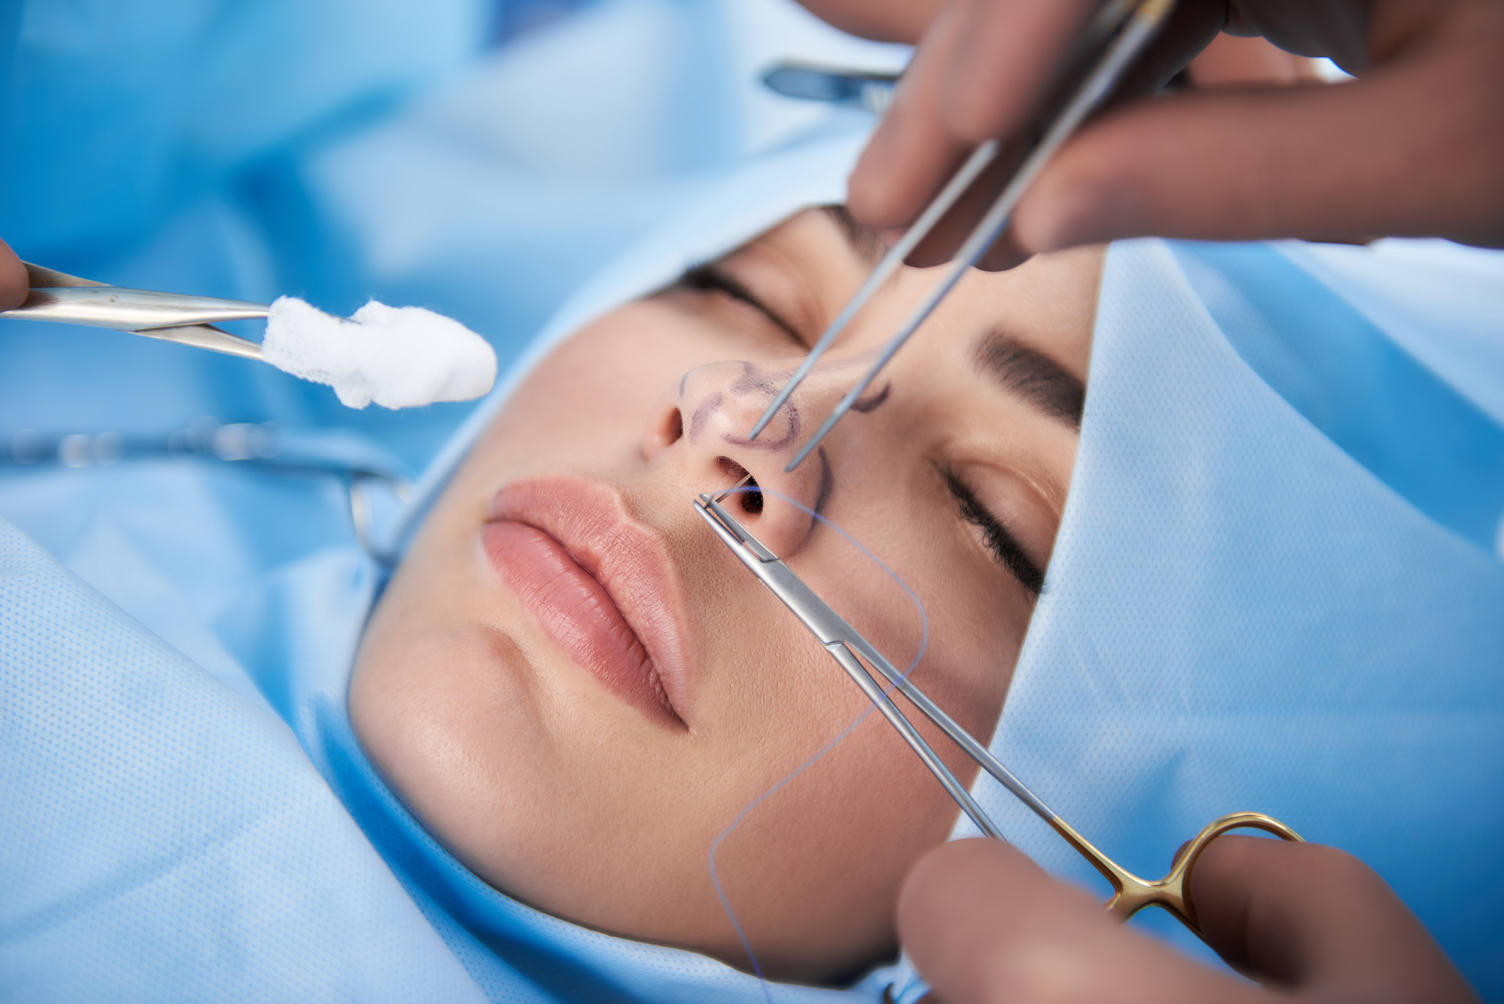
pixel 702 414
pixel 753 378
pixel 873 402
pixel 827 485
pixel 771 444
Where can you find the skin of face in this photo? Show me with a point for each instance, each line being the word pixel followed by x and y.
pixel 560 793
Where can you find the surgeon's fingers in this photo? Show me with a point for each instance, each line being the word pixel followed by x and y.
pixel 880 20
pixel 1415 148
pixel 1319 920
pixel 979 70
pixel 13 281
pixel 983 923
pixel 911 153
pixel 953 96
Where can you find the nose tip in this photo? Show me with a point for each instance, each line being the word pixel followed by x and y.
pixel 728 415
pixel 702 425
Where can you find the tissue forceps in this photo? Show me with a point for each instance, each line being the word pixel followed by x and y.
pixel 1113 39
pixel 173 317
pixel 847 646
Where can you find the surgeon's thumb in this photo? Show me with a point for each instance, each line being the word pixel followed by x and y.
pixel 983 923
pixel 13 281
pixel 1317 919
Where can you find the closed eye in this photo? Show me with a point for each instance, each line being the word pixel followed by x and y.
pixel 1003 545
pixel 712 278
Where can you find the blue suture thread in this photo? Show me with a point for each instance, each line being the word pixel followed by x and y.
pixel 924 639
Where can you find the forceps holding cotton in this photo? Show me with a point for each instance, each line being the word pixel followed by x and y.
pixel 398 357
pixel 1112 42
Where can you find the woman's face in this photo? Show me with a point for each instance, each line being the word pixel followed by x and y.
pixel 576 685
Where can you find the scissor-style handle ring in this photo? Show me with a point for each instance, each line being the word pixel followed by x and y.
pixel 1170 893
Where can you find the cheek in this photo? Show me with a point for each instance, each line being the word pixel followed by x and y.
pixel 976 633
pixel 833 838
pixel 430 708
pixel 568 409
pixel 839 836
pixel 599 386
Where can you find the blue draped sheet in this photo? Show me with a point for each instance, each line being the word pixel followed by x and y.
pixel 1275 586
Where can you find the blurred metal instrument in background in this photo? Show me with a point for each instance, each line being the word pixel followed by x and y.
pixel 871 92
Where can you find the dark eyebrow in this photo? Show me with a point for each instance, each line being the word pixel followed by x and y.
pixel 1033 376
pixel 867 244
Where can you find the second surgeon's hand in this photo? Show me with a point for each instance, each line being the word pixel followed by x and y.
pixel 13 280
pixel 1414 147
pixel 984 924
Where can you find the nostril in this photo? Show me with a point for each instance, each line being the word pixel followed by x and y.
pixel 747 490
pixel 751 498
pixel 673 427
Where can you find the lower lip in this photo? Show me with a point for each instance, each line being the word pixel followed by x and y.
pixel 577 613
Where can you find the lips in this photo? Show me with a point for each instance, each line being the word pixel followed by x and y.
pixel 598 583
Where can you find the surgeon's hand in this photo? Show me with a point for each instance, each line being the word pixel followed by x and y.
pixel 13 281
pixel 1414 147
pixel 984 924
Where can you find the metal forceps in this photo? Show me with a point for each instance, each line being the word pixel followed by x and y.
pixel 173 317
pixel 1107 48
pixel 847 646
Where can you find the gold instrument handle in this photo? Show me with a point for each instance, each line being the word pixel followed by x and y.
pixel 1131 893
pixel 1171 892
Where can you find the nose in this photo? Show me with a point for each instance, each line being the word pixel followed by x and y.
pixel 700 426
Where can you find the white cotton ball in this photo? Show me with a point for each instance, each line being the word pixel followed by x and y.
pixel 399 357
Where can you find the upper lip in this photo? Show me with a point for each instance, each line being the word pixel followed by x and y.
pixel 591 521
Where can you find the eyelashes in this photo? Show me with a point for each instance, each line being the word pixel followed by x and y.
pixel 1003 545
pixel 711 278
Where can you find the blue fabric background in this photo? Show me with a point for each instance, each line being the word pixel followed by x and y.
pixel 1275 587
